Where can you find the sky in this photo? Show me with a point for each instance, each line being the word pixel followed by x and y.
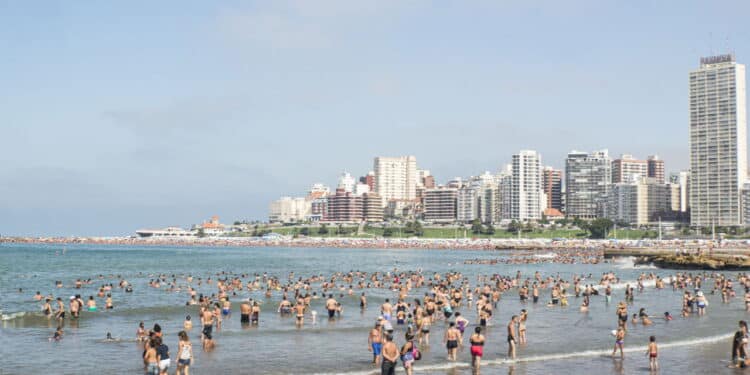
pixel 116 116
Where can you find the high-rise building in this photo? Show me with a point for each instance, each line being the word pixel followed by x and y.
pixel 422 178
pixel 682 179
pixel 552 186
pixel 372 207
pixel 627 202
pixel 718 141
pixel 369 180
pixel 429 182
pixel 587 181
pixel 467 203
pixel 640 202
pixel 628 169
pixel 504 194
pixel 440 204
pixel 396 178
pixel 344 206
pixel 656 168
pixel 289 210
pixel 526 186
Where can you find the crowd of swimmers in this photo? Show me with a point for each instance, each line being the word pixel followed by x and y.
pixel 445 294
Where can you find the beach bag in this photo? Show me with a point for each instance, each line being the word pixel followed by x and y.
pixel 416 353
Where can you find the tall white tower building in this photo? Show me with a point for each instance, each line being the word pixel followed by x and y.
pixel 396 177
pixel 526 186
pixel 718 141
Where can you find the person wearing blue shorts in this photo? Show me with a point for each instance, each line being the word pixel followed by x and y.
pixel 375 343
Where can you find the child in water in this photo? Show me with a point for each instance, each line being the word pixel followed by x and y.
pixel 652 353
pixel 58 334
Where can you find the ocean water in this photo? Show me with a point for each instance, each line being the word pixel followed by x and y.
pixel 560 339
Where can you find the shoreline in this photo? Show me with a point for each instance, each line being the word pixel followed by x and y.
pixel 610 247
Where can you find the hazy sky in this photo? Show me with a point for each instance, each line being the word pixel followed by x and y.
pixel 122 115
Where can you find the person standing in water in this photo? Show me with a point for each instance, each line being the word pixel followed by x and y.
pixel 452 335
pixel 255 318
pixel 375 343
pixel 386 309
pixel 245 311
pixel 162 356
pixel 461 324
pixel 619 342
pixel 299 309
pixel 652 353
pixel 331 306
pixel 207 319
pixel 512 336
pixel 424 329
pixel 407 354
pixel 477 348
pixel 390 356
pixel 185 356
pixel 149 357
pixel 73 306
pixel 60 313
pixel 522 326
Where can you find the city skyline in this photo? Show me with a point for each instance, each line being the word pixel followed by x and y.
pixel 108 129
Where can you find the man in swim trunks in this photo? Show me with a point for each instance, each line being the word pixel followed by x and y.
pixel 452 336
pixel 207 318
pixel 245 311
pixel 331 306
pixel 299 309
pixel 386 309
pixel 512 336
pixel 73 307
pixel 375 343
pixel 60 313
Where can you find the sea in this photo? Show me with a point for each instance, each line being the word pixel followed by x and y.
pixel 561 340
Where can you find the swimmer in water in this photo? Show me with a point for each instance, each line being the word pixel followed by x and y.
pixel 91 304
pixel 58 335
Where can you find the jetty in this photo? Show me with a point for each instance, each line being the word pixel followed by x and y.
pixel 725 259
